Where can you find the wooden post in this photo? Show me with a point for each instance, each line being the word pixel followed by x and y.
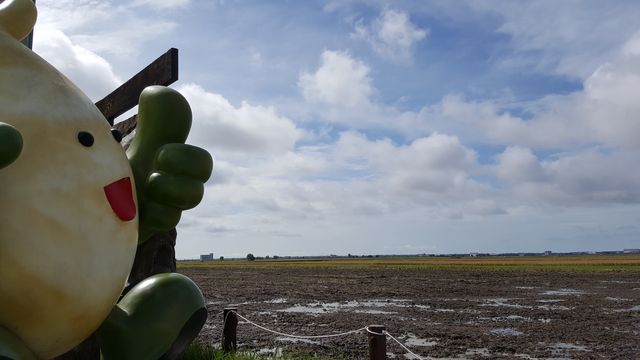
pixel 229 339
pixel 377 343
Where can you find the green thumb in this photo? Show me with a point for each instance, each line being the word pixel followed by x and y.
pixel 164 117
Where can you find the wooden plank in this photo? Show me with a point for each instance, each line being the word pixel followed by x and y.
pixel 163 71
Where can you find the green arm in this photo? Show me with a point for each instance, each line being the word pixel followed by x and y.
pixel 169 175
pixel 10 144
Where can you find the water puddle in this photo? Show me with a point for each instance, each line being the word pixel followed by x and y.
pixel 631 309
pixel 551 300
pixel 375 312
pixel 616 299
pixel 296 340
pixel 554 307
pixel 561 348
pixel 482 352
pixel 277 301
pixel 526 287
pixel 275 352
pixel 506 332
pixel 363 306
pixel 510 318
pixel 412 340
pixel 504 302
pixel 564 292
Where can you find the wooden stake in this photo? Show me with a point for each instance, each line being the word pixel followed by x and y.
pixel 229 339
pixel 377 343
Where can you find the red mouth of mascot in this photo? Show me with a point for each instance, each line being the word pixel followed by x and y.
pixel 120 196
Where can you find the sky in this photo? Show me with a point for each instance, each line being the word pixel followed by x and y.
pixel 386 127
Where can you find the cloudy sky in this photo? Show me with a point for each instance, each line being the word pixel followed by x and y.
pixel 387 127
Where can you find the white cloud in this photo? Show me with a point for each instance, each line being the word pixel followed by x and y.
pixel 89 71
pixel 339 81
pixel 341 91
pixel 564 37
pixel 162 4
pixel 220 126
pixel 392 35
pixel 585 178
pixel 604 112
pixel 517 165
pixel 101 26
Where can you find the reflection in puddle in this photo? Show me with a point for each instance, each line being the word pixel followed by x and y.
pixel 561 348
pixel 616 299
pixel 506 332
pixel 275 352
pixel 554 307
pixel 564 292
pixel 354 305
pixel 375 312
pixel 412 340
pixel 503 302
pixel 277 301
pixel 510 318
pixel 296 340
pixel 631 309
pixel 484 352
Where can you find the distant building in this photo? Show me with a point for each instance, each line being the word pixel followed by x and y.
pixel 207 257
pixel 631 251
pixel 473 254
pixel 548 252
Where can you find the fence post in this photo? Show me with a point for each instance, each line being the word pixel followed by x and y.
pixel 229 340
pixel 377 343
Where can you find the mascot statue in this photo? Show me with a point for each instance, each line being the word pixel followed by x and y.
pixel 74 207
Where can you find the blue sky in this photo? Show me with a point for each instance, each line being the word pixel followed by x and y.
pixel 371 127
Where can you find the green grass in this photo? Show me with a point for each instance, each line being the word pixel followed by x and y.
pixel 201 352
pixel 589 263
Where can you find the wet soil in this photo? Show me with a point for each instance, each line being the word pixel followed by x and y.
pixel 436 313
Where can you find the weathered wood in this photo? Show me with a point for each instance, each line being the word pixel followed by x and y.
pixel 229 335
pixel 163 71
pixel 127 126
pixel 156 255
pixel 377 342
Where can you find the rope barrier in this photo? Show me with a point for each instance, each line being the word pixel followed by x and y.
pixel 402 345
pixel 300 336
pixel 373 332
pixel 366 328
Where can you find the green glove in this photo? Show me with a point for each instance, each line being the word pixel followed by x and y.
pixel 10 144
pixel 169 175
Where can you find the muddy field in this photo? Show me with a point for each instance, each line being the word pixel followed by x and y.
pixel 451 314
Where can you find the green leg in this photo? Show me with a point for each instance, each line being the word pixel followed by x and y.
pixel 12 348
pixel 157 319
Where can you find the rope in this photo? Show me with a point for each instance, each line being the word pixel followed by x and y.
pixel 402 345
pixel 299 336
pixel 218 313
pixel 366 328
pixel 373 332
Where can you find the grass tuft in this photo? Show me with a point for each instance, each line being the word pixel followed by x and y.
pixel 197 351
